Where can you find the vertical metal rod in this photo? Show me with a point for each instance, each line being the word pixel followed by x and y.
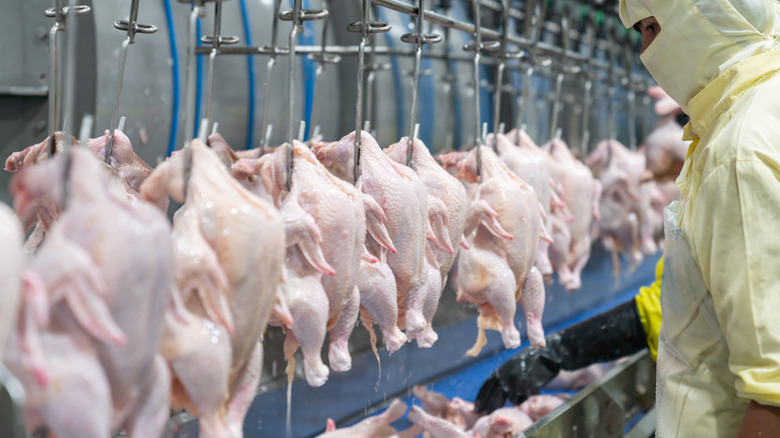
pixel 499 83
pixel 611 130
pixel 557 104
pixel 416 76
pixel 215 43
pixel 359 98
pixel 54 72
pixel 318 72
pixel 269 70
pixel 301 130
pixel 477 54
pixel 533 26
pixel 118 91
pixel 291 89
pixel 628 64
pixel 587 101
pixel 192 67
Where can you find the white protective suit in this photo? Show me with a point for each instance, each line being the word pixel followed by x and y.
pixel 719 345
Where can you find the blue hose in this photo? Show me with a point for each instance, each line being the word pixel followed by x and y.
pixel 250 70
pixel 175 74
pixel 309 71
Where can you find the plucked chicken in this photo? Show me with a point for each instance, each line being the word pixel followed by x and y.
pixel 403 199
pixel 225 281
pixel 442 188
pixel 503 227
pixel 570 250
pixel 126 316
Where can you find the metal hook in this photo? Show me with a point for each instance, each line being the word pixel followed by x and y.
pixel 628 64
pixel 480 139
pixel 216 40
pixel 269 70
pixel 131 26
pixel 590 33
pixel 565 43
pixel 322 59
pixel 611 129
pixel 298 15
pixel 504 54
pixel 365 27
pixel 418 38
pixel 191 86
pixel 60 13
pixel 533 28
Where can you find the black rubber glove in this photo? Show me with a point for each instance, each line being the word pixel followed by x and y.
pixel 607 336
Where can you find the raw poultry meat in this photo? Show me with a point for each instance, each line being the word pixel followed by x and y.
pixel 228 283
pixel 570 250
pixel 325 225
pixel 502 422
pixel 664 147
pixel 625 206
pixel 377 426
pixel 447 228
pixel 136 266
pixel 527 161
pixel 503 227
pixel 537 406
pixel 44 210
pixel 51 353
pixel 580 378
pixel 128 170
pixel 403 199
pixel 12 257
pixel 457 411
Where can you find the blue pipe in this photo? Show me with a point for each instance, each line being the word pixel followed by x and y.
pixel 175 74
pixel 309 71
pixel 250 71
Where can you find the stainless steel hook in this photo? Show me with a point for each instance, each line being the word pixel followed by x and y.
pixel 131 26
pixel 419 38
pixel 364 27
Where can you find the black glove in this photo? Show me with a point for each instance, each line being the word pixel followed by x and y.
pixel 607 336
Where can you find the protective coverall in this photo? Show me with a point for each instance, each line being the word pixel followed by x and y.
pixel 719 344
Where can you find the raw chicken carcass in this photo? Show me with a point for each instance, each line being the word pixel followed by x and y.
pixel 664 147
pixel 129 171
pixel 503 227
pixel 403 199
pixel 325 224
pixel 526 160
pixel 457 411
pixel 442 188
pixel 10 269
pixel 129 243
pixel 501 423
pixel 537 406
pixel 580 192
pixel 625 208
pixel 377 426
pixel 228 281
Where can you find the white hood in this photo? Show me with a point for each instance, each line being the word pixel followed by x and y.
pixel 699 39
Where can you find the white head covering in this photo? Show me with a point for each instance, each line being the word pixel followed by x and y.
pixel 699 39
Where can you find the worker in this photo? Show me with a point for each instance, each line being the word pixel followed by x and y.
pixel 719 346
pixel 623 330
